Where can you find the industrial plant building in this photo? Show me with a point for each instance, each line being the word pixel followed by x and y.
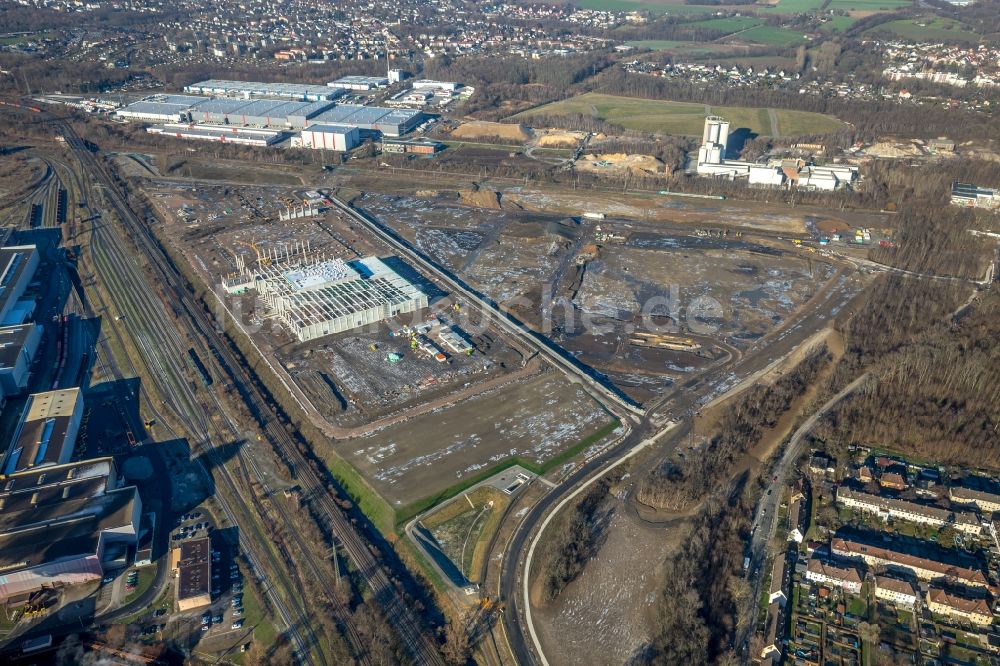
pixel 17 268
pixel 973 196
pixel 419 147
pixel 62 525
pixel 18 346
pixel 328 137
pixel 159 108
pixel 46 433
pixel 712 162
pixel 331 296
pixel 270 113
pixel 371 119
pixel 359 82
pixel 447 86
pixel 246 136
pixel 296 91
pixel 315 297
pixel 255 113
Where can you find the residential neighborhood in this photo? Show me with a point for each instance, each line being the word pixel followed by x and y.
pixel 898 558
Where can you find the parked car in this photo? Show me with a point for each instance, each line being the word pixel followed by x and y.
pixel 238 624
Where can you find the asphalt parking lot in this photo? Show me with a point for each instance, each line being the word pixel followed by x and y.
pixel 226 613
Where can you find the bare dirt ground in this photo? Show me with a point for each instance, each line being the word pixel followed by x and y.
pixel 518 258
pixel 535 419
pixel 17 171
pixel 652 207
pixel 555 138
pixel 605 613
pixel 480 129
pixel 619 163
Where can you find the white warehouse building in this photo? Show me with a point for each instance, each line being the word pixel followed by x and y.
pixel 328 137
pixel 225 134
pixel 332 296
pixel 447 86
pixel 712 162
pixel 355 82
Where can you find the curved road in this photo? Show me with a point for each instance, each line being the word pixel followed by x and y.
pixel 680 403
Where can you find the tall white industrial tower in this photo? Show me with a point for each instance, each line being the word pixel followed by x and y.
pixel 714 140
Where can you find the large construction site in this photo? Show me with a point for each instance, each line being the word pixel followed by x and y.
pixel 648 291
pixel 647 304
pixel 417 392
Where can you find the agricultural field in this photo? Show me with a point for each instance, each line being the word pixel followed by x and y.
pixel 768 34
pixel 793 6
pixel 652 6
pixel 839 23
pixel 658 44
pixel 869 6
pixel 727 24
pixel 532 423
pixel 687 118
pixel 928 29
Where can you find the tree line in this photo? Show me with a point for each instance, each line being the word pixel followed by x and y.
pixel 678 484
pixel 575 537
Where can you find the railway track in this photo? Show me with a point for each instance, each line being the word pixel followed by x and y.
pixel 120 273
pixel 211 341
pixel 607 396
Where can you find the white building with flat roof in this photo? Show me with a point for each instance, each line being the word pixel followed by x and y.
pixel 46 433
pixel 18 264
pixel 329 137
pixel 355 82
pixel 314 299
pixel 297 91
pixel 18 346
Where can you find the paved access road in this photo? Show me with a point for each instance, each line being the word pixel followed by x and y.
pixel 203 334
pixel 679 404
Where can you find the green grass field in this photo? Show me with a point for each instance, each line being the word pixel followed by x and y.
pixel 839 23
pixel 464 526
pixel 687 118
pixel 23 39
pixel 792 6
pixel 665 7
pixel 685 48
pixel 658 44
pixel 622 5
pixel 767 34
pixel 929 29
pixel 868 5
pixel 728 24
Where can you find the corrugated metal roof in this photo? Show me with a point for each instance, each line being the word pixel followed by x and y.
pixel 263 88
pixel 330 129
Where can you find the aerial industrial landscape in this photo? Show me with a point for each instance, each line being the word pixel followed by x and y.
pixel 612 332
